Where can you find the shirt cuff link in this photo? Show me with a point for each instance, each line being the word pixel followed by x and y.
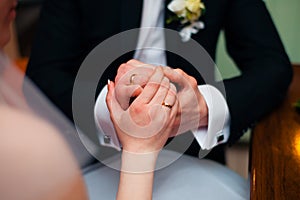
pixel 220 138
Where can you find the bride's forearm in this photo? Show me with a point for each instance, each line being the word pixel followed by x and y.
pixel 135 186
pixel 136 176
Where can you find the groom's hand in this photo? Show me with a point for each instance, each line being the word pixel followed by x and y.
pixel 147 124
pixel 133 64
pixel 193 111
pixel 130 80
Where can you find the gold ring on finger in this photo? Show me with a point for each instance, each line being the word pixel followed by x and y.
pixel 131 80
pixel 166 105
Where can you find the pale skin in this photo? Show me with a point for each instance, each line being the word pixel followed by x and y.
pixel 136 182
pixel 7 15
pixel 192 112
pixel 31 169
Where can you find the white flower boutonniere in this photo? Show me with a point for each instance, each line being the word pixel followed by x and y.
pixel 187 12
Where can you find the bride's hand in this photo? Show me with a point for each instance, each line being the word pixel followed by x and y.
pixel 147 123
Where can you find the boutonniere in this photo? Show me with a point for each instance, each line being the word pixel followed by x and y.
pixel 188 13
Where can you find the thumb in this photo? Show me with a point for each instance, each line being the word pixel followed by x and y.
pixel 113 106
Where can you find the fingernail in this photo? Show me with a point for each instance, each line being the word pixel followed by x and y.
pixel 108 83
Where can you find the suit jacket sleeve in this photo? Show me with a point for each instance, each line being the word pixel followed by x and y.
pixel 255 46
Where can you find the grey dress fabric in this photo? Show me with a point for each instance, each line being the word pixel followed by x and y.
pixel 187 178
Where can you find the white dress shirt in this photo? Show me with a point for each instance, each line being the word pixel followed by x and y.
pixel 217 130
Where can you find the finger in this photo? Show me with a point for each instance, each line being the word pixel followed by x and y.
pixel 122 71
pixel 189 80
pixel 131 83
pixel 151 87
pixel 139 79
pixel 137 63
pixel 134 90
pixel 175 108
pixel 111 102
pixel 133 75
pixel 125 92
pixel 177 76
pixel 161 92
pixel 109 95
pixel 170 97
pixel 173 114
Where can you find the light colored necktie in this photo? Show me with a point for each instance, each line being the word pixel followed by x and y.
pixel 153 16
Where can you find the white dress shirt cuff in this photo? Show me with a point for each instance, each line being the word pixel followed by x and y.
pixel 215 133
pixel 218 129
pixel 106 132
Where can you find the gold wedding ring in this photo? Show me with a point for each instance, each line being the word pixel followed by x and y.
pixel 166 105
pixel 132 79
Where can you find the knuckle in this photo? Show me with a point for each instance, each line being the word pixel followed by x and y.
pixel 121 68
pixel 128 67
pixel 132 61
pixel 193 82
pixel 179 71
pixel 168 70
pixel 152 85
pixel 165 82
pixel 118 77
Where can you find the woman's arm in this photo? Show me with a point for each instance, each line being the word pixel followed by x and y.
pixel 135 186
pixel 136 176
pixel 35 161
pixel 143 129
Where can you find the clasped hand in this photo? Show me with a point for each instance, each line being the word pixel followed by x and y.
pixel 159 109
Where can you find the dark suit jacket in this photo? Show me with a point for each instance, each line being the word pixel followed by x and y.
pixel 70 29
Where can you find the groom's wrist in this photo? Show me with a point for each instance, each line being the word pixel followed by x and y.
pixel 203 112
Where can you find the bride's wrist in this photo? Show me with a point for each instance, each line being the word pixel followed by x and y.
pixel 138 162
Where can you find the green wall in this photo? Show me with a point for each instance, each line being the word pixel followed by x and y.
pixel 286 16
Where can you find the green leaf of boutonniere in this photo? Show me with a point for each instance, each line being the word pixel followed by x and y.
pixel 172 19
